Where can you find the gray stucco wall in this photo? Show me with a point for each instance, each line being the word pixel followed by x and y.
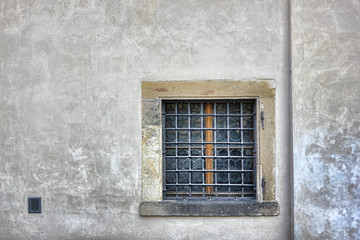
pixel 326 118
pixel 70 113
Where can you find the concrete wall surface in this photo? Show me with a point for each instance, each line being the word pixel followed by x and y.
pixel 70 112
pixel 326 118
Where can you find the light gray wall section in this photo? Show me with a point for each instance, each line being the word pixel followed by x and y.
pixel 70 113
pixel 326 118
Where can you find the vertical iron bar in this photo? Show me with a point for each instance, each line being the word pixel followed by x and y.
pixel 176 152
pixel 189 153
pixel 202 149
pixel 163 118
pixel 228 144
pixel 255 147
pixel 215 151
pixel 242 147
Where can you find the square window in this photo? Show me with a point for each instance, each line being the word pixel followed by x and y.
pixel 205 128
pixel 206 145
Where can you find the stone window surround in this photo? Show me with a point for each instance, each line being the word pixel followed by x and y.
pixel 153 92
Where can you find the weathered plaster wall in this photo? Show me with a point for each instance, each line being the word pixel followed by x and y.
pixel 70 113
pixel 326 114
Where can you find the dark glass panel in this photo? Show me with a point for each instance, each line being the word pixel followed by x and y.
pixel 221 136
pixel 183 163
pixel 248 108
pixel 248 122
pixel 170 164
pixel 222 164
pixel 248 136
pixel 235 164
pixel 195 108
pixel 195 122
pixel 170 108
pixel 170 122
pixel 170 135
pixel 221 108
pixel 234 122
pixel 234 108
pixel 221 122
pixel 182 108
pixel 183 136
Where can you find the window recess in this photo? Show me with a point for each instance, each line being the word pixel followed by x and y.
pixel 209 149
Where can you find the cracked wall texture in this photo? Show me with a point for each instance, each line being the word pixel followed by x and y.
pixel 326 115
pixel 70 112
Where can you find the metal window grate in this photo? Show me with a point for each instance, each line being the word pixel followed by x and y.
pixel 209 149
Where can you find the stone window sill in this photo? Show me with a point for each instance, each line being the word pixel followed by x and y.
pixel 209 208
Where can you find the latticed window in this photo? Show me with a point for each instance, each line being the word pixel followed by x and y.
pixel 209 149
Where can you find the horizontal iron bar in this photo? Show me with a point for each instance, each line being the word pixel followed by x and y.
pixel 200 170
pixel 215 129
pixel 211 114
pixel 201 143
pixel 210 184
pixel 214 115
pixel 239 157
pixel 231 197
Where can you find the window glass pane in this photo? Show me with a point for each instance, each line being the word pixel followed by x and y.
pixel 170 151
pixel 183 122
pixel 248 164
pixel 235 152
pixel 222 164
pixel 170 122
pixel 235 164
pixel 195 108
pixel 234 108
pixel 234 122
pixel 235 136
pixel 235 189
pixel 222 178
pixel 235 178
pixel 196 164
pixel 183 136
pixel 183 152
pixel 248 151
pixel 248 178
pixel 170 178
pixel 182 108
pixel 170 164
pixel 184 190
pixel 195 136
pixel 195 122
pixel 248 108
pixel 249 191
pixel 221 152
pixel 248 122
pixel 195 151
pixel 170 135
pixel 221 136
pixel 221 108
pixel 183 163
pixel 170 108
pixel 221 122
pixel 171 188
pixel 248 136
pixel 183 177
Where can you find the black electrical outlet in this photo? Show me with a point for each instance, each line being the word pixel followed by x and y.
pixel 34 205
